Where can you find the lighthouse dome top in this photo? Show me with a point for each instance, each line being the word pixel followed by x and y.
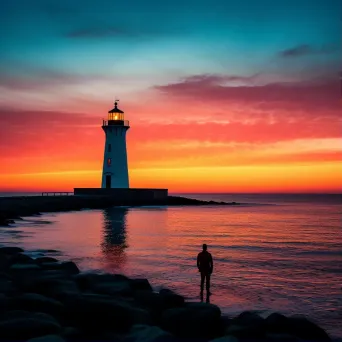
pixel 115 109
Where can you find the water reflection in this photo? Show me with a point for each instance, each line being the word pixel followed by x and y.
pixel 114 238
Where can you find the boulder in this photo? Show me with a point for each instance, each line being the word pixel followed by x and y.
pixel 122 288
pixel 277 323
pixel 195 320
pixel 47 338
pixel 27 326
pixel 53 287
pixel 247 325
pixel 277 337
pixel 20 258
pixel 17 268
pixel 37 302
pixel 68 267
pixel 7 286
pixel 141 284
pixel 93 313
pixel 306 330
pixel 145 333
pixel 44 260
pixel 10 250
pixel 225 338
pixel 87 281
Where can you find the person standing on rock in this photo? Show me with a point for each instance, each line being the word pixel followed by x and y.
pixel 205 267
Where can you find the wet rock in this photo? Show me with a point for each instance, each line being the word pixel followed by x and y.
pixel 171 299
pixel 277 337
pixel 37 302
pixel 306 330
pixel 141 284
pixel 10 250
pixel 28 326
pixel 20 258
pixel 47 338
pixel 249 318
pixel 52 287
pixel 113 289
pixel 24 267
pixel 145 333
pixel 4 303
pixel 277 323
pixel 45 259
pixel 247 325
pixel 226 338
pixel 7 286
pixel 71 333
pixel 68 267
pixel 93 314
pixel 196 320
pixel 244 332
pixel 87 281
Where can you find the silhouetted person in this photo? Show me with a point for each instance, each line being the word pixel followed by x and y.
pixel 205 266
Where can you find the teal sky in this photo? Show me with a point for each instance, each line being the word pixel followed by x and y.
pixel 163 41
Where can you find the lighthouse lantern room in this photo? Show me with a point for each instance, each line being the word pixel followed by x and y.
pixel 115 168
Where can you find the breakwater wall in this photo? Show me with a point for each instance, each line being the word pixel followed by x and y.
pixel 45 300
pixel 12 208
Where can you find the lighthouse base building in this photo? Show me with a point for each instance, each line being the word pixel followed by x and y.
pixel 115 175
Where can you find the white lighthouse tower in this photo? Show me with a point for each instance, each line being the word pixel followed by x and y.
pixel 115 169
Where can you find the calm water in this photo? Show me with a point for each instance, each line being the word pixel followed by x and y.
pixel 283 256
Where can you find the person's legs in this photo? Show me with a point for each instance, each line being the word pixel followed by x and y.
pixel 202 281
pixel 208 282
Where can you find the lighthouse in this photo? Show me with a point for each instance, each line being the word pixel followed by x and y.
pixel 115 168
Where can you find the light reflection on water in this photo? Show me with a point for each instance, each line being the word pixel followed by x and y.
pixel 273 258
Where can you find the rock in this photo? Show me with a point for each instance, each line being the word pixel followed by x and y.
pixel 249 318
pixel 226 338
pixel 274 337
pixel 141 284
pixel 7 286
pixel 171 299
pixel 47 338
pixel 93 314
pixel 145 333
pixel 53 287
pixel 10 250
pixel 20 258
pixel 277 323
pixel 44 260
pixel 306 330
pixel 24 267
pixel 28 326
pixel 195 320
pixel 247 325
pixel 113 289
pixel 4 303
pixel 244 332
pixel 68 267
pixel 71 333
pixel 87 281
pixel 37 302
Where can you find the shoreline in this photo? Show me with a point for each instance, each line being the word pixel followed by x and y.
pixel 12 208
pixel 42 296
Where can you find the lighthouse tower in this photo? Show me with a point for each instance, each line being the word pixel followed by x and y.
pixel 115 169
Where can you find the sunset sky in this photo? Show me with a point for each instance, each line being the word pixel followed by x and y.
pixel 221 95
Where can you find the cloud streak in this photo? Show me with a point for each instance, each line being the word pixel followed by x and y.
pixel 307 50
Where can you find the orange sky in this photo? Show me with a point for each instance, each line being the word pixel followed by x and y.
pixel 183 145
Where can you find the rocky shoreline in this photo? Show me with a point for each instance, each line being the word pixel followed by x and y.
pixel 43 299
pixel 12 208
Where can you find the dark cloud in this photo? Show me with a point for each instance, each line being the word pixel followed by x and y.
pixel 305 50
pixel 311 95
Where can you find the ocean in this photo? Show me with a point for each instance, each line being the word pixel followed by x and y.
pixel 274 252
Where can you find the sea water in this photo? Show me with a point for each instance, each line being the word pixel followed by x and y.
pixel 273 253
